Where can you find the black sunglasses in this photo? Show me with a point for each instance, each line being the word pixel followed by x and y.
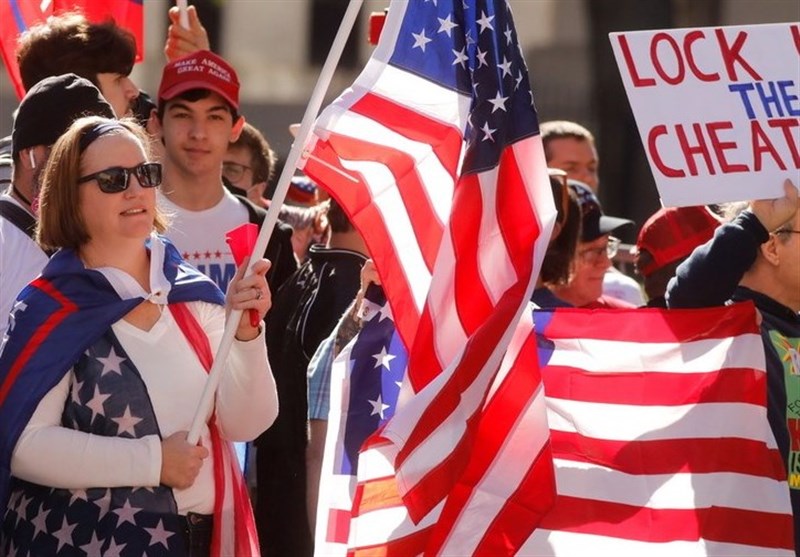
pixel 116 178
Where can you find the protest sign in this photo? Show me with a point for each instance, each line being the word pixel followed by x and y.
pixel 717 109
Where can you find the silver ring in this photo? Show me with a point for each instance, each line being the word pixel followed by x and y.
pixel 259 294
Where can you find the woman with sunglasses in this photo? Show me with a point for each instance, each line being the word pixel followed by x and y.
pixel 103 367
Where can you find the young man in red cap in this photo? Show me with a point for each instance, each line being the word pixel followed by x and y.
pixel 197 118
pixel 667 238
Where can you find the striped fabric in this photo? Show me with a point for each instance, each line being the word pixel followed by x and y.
pixel 660 435
pixel 435 155
pixel 503 493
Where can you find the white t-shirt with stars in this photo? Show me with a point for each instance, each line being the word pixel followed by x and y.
pixel 200 235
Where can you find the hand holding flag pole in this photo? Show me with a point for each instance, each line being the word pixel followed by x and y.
pixel 317 96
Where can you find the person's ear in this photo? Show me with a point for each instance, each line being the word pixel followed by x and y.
pixel 236 130
pixel 769 251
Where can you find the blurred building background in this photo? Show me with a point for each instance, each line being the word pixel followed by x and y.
pixel 278 47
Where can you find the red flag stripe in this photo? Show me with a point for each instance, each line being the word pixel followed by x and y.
pixel 669 456
pixel 444 139
pixel 380 242
pixel 661 388
pixel 523 511
pixel 738 526
pixel 471 300
pixel 511 414
pixel 424 220
pixel 480 359
pixel 413 544
pixel 685 325
pixel 67 307
pixel 380 493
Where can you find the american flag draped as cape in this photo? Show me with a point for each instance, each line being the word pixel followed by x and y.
pixel 56 318
pixel 435 155
pixel 18 16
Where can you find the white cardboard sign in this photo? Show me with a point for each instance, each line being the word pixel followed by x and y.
pixel 718 109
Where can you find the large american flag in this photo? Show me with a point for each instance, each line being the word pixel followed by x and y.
pixel 435 154
pixel 19 15
pixel 660 435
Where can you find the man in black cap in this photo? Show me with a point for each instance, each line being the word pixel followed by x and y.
pixel 46 112
pixel 593 256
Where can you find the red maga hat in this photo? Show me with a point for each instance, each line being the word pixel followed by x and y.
pixel 200 70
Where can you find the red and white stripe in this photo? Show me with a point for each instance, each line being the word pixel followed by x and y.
pixel 503 493
pixel 660 437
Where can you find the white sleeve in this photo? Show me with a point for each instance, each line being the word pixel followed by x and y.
pixel 247 400
pixel 84 460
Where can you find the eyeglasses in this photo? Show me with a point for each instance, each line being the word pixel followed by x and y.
pixel 117 178
pixel 234 171
pixel 594 255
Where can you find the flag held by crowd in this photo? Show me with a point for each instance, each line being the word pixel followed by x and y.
pixel 20 15
pixel 435 155
pixel 660 436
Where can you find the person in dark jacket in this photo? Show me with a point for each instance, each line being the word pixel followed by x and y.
pixel 756 258
pixel 305 311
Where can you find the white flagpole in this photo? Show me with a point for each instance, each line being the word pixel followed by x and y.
pixel 317 96
pixel 183 15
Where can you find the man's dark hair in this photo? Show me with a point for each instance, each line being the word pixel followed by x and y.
pixel 261 155
pixel 69 43
pixel 557 263
pixel 337 218
pixel 192 96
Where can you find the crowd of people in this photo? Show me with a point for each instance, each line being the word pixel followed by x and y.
pixel 117 209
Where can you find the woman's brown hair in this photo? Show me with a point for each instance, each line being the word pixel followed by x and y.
pixel 60 222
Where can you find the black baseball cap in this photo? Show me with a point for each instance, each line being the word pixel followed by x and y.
pixel 50 107
pixel 594 223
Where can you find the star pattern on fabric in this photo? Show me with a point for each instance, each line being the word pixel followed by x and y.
pixel 446 25
pixel 94 547
pixel 420 40
pixel 484 63
pixel 39 522
pixel 126 513
pixel 378 407
pixel 96 403
pixel 383 358
pixel 127 422
pixel 377 346
pixel 64 534
pixel 159 534
pixel 111 363
pixel 113 549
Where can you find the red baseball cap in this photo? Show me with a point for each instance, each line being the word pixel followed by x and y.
pixel 673 233
pixel 200 70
